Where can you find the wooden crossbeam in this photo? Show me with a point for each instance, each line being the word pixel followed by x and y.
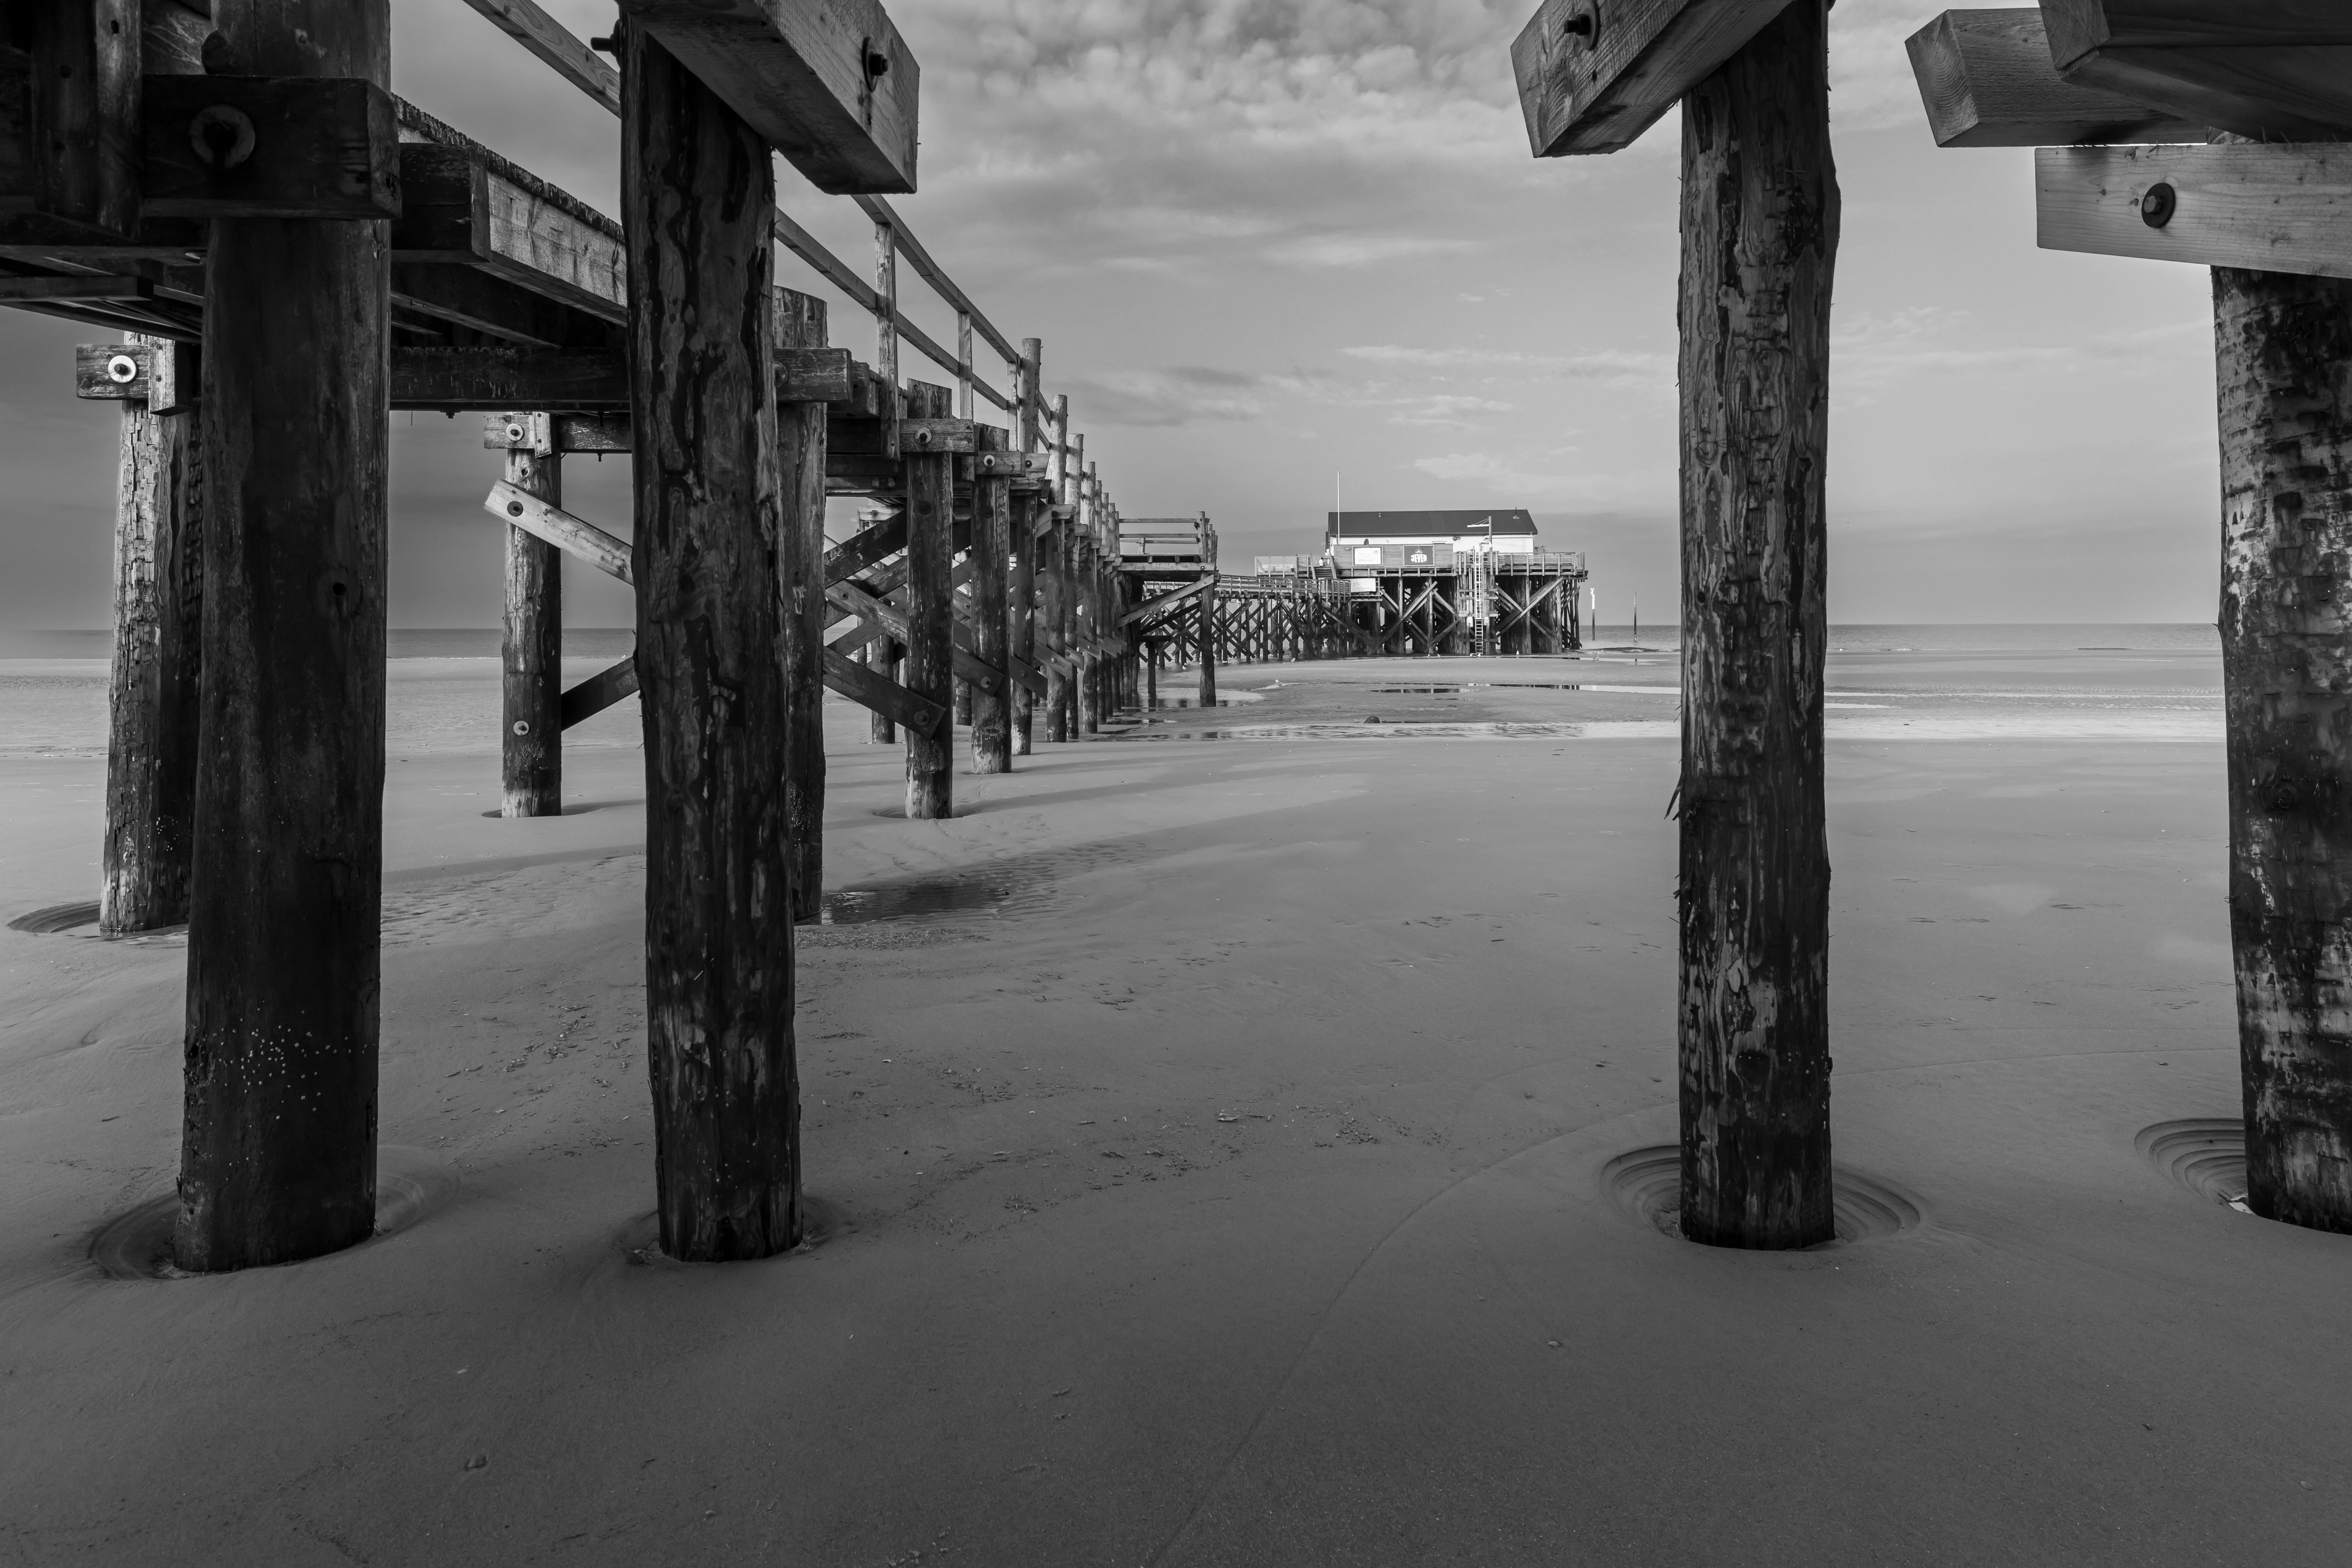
pixel 86 287
pixel 881 695
pixel 890 618
pixel 599 691
pixel 574 536
pixel 251 146
pixel 1165 601
pixel 1987 81
pixel 163 376
pixel 1593 78
pixel 459 209
pixel 2274 208
pixel 454 379
pixel 862 552
pixel 829 83
pixel 2277 71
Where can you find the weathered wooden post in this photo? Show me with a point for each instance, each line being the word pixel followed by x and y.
pixel 1054 611
pixel 1208 616
pixel 882 657
pixel 1022 591
pixel 801 324
pixel 1759 224
pixel 992 543
pixel 151 755
pixel 1759 244
pixel 530 742
pixel 696 192
pixel 931 608
pixel 2266 208
pixel 1087 690
pixel 2284 353
pixel 278 1147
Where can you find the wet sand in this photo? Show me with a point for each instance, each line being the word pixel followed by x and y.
pixel 1224 1153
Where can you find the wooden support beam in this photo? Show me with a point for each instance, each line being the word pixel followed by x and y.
pixel 863 551
pixel 991 548
pixel 1020 590
pixel 696 186
pixel 88 287
pixel 158 371
pixel 1987 81
pixel 882 696
pixel 456 379
pixel 2276 71
pixel 1591 78
pixel 930 619
pixel 282 147
pixel 2283 363
pixel 1759 227
pixel 558 433
pixel 278 1155
pixel 1172 599
pixel 600 691
pixel 2271 209
pixel 153 716
pixel 538 516
pixel 803 364
pixel 827 83
pixel 70 113
pixel 531 737
pixel 459 209
pixel 1054 623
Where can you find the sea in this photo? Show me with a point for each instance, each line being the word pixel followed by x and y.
pixel 2141 681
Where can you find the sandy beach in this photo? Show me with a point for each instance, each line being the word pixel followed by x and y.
pixel 1236 1146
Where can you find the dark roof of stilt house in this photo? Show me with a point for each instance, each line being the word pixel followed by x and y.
pixel 1373 524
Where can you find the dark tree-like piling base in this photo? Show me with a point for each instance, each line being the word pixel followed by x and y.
pixel 2284 355
pixel 1760 220
pixel 278 1146
pixel 698 197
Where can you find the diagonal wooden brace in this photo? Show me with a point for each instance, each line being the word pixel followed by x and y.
pixel 568 534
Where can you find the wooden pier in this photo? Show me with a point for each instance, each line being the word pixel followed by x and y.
pixel 292 253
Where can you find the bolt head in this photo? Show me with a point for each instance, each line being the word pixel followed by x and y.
pixel 2158 204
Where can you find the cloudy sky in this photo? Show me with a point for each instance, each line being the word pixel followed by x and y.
pixel 1271 244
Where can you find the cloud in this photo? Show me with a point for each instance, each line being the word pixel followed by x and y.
pixel 1362 249
pixel 1445 409
pixel 1613 365
pixel 1503 477
pixel 1871 354
pixel 1179 394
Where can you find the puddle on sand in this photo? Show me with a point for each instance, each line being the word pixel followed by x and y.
pixel 1014 885
pixel 942 898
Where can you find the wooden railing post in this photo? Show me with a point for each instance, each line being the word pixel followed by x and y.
pixel 151 754
pixel 530 739
pixel 930 609
pixel 1759 227
pixel 2284 353
pixel 801 324
pixel 696 189
pixel 277 1151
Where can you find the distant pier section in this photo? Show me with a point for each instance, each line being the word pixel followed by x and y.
pixel 1446 582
